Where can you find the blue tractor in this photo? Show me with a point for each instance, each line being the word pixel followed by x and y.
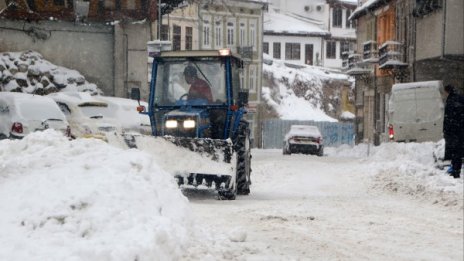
pixel 196 102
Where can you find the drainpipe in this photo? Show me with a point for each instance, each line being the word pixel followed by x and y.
pixel 443 39
pixel 413 19
pixel 159 20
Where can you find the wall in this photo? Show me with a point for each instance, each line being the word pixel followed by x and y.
pixel 282 39
pixel 87 49
pixel 454 41
pixel 429 31
pixel 333 133
pixel 298 7
pixel 137 55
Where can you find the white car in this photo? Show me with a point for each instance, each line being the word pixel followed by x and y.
pixel 303 139
pixel 86 115
pixel 21 114
pixel 124 111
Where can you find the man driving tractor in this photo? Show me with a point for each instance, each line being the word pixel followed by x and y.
pixel 199 89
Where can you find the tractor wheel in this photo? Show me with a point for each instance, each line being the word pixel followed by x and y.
pixel 243 149
pixel 243 170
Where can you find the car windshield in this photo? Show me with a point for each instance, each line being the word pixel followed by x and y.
pixel 176 79
pixel 39 110
pixel 93 110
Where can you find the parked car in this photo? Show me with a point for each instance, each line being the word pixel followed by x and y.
pixel 21 114
pixel 303 139
pixel 86 115
pixel 124 111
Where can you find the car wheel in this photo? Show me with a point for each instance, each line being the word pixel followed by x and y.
pixel 320 153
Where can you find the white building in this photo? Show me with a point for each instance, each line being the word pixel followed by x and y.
pixel 330 16
pixel 293 38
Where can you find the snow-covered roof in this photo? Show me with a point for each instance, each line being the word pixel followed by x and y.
pixel 76 98
pixel 286 24
pixel 347 115
pixel 412 85
pixel 362 10
pixel 348 2
pixel 303 130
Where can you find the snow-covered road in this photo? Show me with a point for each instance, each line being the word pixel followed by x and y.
pixel 311 208
pixel 89 200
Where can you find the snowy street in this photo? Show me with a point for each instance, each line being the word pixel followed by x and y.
pixel 310 208
pixel 86 199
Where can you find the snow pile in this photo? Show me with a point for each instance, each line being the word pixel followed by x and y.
pixel 296 92
pixel 408 168
pixel 347 115
pixel 28 72
pixel 182 161
pixel 87 200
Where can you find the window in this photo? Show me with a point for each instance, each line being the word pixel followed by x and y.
pixel 176 37
pixel 164 32
pixel 188 38
pixel 337 17
pixel 206 33
pixel 344 47
pixel 331 49
pixel 266 47
pixel 252 37
pixel 230 33
pixel 242 79
pixel 252 78
pixel 349 24
pixel 58 2
pixel 130 4
pixel 218 34
pixel 242 34
pixel 276 50
pixel 292 51
pixel 108 4
pixel 424 7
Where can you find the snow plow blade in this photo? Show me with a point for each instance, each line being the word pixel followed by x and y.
pixel 195 161
pixel 216 150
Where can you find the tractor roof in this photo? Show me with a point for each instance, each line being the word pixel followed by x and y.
pixel 198 53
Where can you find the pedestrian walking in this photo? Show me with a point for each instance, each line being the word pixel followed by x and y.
pixel 453 130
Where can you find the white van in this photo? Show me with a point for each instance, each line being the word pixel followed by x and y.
pixel 416 111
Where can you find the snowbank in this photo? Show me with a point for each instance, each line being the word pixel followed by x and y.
pixel 407 168
pixel 29 72
pixel 298 94
pixel 87 200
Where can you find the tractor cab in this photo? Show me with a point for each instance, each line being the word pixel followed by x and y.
pixel 196 102
pixel 196 93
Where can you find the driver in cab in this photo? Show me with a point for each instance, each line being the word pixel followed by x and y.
pixel 199 89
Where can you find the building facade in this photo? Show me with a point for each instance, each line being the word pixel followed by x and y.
pixel 292 38
pixel 403 41
pixel 330 16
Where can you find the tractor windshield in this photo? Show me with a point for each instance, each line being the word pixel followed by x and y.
pixel 192 81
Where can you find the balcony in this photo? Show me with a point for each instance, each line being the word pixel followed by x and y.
pixel 371 54
pixel 391 56
pixel 354 65
pixel 345 56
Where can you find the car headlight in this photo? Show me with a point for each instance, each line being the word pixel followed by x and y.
pixel 188 124
pixel 171 124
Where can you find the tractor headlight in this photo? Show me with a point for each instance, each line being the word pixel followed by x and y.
pixel 170 124
pixel 188 124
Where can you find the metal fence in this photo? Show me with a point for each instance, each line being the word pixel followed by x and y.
pixel 334 133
